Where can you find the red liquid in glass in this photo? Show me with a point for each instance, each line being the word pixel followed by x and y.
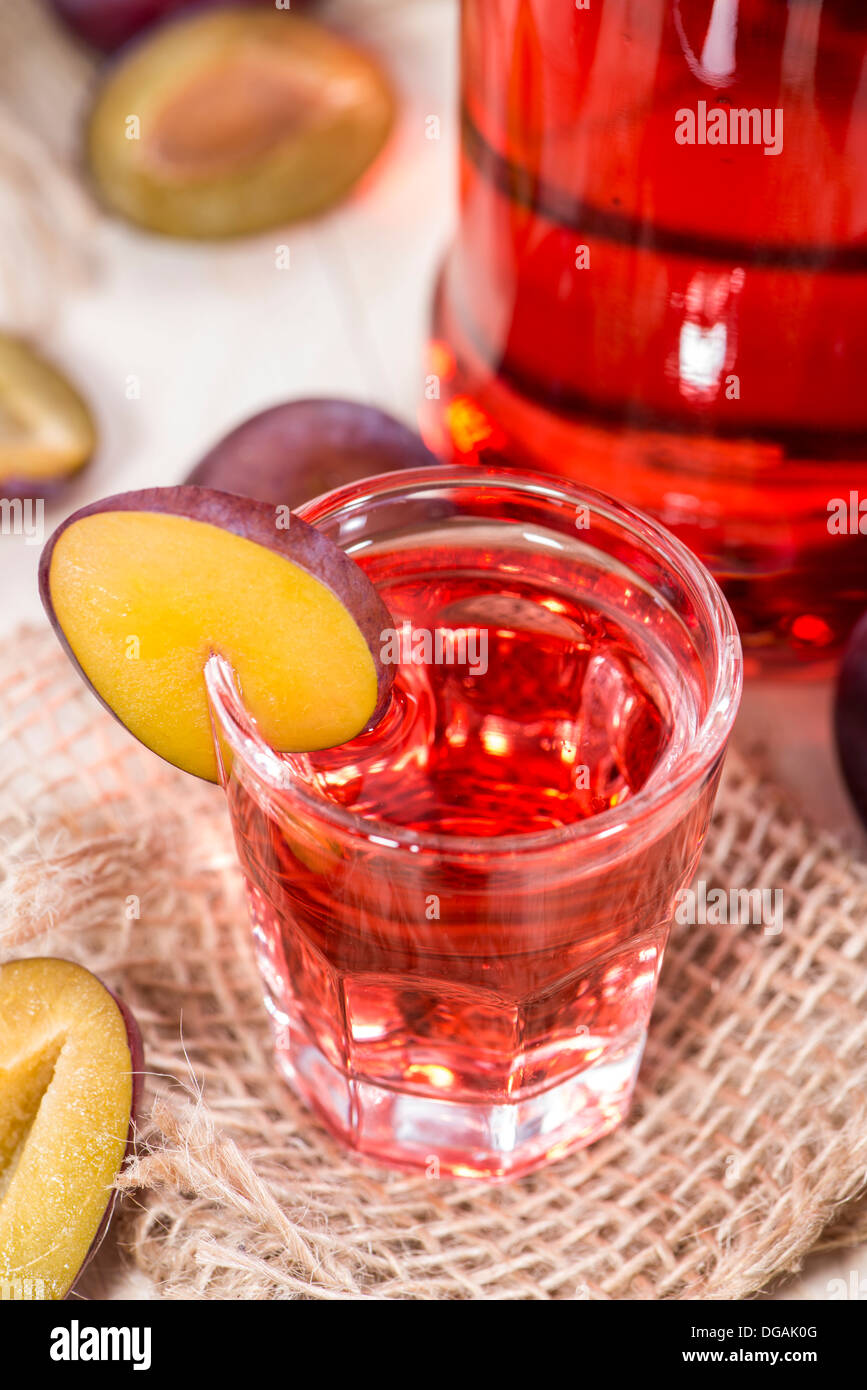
pixel 480 986
pixel 681 325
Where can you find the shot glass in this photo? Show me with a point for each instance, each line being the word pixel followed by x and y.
pixel 461 915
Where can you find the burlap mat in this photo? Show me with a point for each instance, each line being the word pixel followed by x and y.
pixel 748 1136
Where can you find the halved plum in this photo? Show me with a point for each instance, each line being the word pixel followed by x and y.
pixel 144 587
pixel 47 434
pixel 294 452
pixel 70 1080
pixel 229 122
pixel 850 716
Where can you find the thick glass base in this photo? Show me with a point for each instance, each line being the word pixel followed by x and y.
pixel 443 1137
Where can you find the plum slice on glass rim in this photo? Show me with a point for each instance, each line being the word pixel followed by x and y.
pixel 143 588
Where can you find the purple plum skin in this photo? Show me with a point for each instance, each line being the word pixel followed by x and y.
pixel 850 716
pixel 108 24
pixel 48 490
pixel 291 453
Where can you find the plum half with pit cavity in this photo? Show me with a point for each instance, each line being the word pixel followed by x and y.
pixel 70 1081
pixel 228 122
pixel 46 431
pixel 145 587
pixel 294 452
pixel 850 716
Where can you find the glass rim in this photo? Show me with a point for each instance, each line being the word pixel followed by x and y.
pixel 703 750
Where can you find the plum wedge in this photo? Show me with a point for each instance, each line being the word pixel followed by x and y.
pixel 70 1080
pixel 46 431
pixel 144 587
pixel 296 451
pixel 231 121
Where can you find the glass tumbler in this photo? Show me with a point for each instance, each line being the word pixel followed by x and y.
pixel 461 915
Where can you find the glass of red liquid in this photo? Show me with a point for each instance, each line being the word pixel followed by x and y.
pixel 461 915
pixel 658 284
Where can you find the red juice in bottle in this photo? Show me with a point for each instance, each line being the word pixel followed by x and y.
pixel 659 282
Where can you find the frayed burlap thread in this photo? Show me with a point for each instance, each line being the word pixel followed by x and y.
pixel 745 1150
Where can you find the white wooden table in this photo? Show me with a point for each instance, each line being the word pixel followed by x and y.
pixel 209 335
